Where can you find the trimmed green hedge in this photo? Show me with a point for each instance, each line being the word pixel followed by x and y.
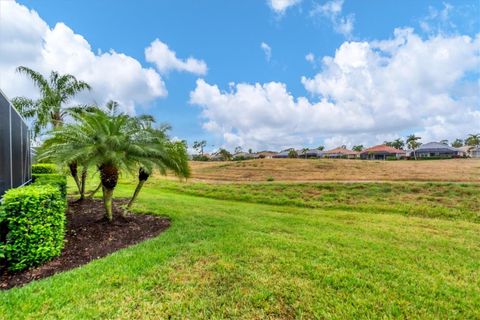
pixel 57 180
pixel 44 168
pixel 35 218
pixel 33 221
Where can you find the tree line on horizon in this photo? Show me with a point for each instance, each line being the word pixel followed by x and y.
pixel 412 142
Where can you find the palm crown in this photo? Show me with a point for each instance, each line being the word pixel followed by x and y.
pixel 55 91
pixel 115 143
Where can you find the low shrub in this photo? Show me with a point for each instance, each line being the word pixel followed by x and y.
pixel 199 157
pixel 44 168
pixel 445 157
pixel 270 179
pixel 35 218
pixel 293 154
pixel 435 158
pixel 58 180
pixel 240 158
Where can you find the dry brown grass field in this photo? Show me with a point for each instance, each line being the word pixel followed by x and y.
pixel 461 170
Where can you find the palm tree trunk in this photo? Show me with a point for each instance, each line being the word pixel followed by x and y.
pixel 107 202
pixel 56 120
pixel 95 191
pixel 83 182
pixel 135 194
pixel 109 178
pixel 74 172
pixel 142 177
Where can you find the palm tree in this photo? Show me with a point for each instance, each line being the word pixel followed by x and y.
pixel 358 148
pixel 473 140
pixel 457 143
pixel 226 156
pixel 166 155
pixel 413 144
pixel 112 143
pixel 80 181
pixel 398 144
pixel 304 151
pixel 199 145
pixel 444 141
pixel 112 109
pixel 55 91
pixel 49 108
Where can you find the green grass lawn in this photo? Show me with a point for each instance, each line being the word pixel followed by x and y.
pixel 232 259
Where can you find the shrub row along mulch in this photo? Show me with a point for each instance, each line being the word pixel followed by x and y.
pixel 89 236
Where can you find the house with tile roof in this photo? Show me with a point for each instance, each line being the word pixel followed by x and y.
pixel 341 152
pixel 381 152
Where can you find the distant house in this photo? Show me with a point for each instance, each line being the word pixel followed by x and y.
pixel 244 156
pixel 475 152
pixel 341 153
pixel 381 152
pixel 215 156
pixel 470 151
pixel 464 151
pixel 266 154
pixel 435 149
pixel 311 153
pixel 283 153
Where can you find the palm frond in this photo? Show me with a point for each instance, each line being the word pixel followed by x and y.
pixel 26 107
pixel 36 77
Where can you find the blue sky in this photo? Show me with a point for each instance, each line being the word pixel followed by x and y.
pixel 227 37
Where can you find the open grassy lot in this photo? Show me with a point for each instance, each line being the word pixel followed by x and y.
pixel 226 259
pixel 338 170
pixel 452 201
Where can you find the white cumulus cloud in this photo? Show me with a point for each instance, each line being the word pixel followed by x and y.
pixel 27 40
pixel 366 93
pixel 280 6
pixel 166 60
pixel 267 115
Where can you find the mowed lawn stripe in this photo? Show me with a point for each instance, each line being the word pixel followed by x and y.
pixel 223 259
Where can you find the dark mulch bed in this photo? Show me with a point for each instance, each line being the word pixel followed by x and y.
pixel 90 237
